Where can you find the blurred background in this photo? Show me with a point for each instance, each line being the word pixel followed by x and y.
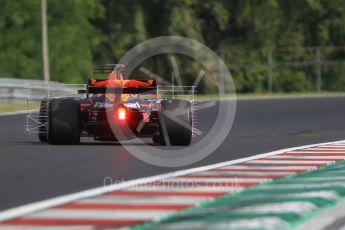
pixel 278 46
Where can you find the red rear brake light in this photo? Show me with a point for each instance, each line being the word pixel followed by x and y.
pixel 122 113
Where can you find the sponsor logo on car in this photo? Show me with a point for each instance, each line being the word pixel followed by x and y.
pixel 132 105
pixel 103 105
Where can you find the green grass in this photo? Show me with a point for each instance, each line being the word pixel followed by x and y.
pixel 14 107
pixel 292 94
pixel 272 95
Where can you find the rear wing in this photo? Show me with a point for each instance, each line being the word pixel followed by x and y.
pixel 102 86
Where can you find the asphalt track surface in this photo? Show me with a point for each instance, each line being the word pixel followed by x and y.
pixel 31 171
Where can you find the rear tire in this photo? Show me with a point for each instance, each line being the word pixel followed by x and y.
pixel 176 119
pixel 43 115
pixel 64 121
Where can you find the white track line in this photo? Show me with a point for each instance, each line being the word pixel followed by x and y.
pixel 257 167
pixel 37 206
pixel 293 162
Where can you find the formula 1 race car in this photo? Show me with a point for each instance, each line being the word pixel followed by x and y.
pixel 107 105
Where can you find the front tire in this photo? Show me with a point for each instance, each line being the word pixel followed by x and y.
pixel 64 121
pixel 176 122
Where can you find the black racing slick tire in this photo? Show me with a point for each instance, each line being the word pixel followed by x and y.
pixel 64 121
pixel 42 118
pixel 176 122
